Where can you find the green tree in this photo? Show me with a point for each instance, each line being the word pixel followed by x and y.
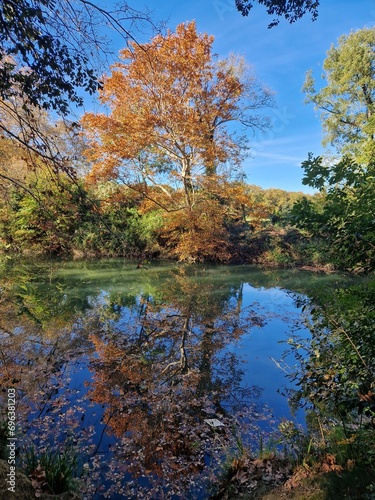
pixel 344 213
pixel 115 224
pixel 347 101
pixel 44 216
pixel 344 217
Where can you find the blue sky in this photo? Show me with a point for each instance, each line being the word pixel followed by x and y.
pixel 280 57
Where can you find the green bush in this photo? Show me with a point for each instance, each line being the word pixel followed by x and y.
pixel 343 213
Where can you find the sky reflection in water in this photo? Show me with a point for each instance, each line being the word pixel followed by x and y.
pixel 126 364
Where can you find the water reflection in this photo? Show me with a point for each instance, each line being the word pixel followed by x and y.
pixel 161 369
pixel 125 366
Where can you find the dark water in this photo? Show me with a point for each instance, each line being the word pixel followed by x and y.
pixel 122 367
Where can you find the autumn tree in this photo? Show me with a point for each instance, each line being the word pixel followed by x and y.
pixel 171 102
pixel 214 228
pixel 347 100
pixel 176 375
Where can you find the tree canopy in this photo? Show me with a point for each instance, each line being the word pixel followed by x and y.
pixel 291 10
pixel 347 101
pixel 49 48
pixel 171 101
pixel 167 135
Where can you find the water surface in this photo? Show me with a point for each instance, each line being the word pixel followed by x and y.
pixel 124 366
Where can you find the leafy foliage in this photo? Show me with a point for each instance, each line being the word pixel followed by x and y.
pixel 335 383
pixel 213 228
pixel 347 101
pixel 344 213
pixel 292 10
pixel 168 138
pixel 52 54
pixel 50 49
pixel 198 234
pixel 44 217
pixel 173 134
pixel 53 69
pixel 277 203
pixel 337 378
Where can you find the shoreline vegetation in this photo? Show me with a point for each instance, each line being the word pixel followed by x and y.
pixel 87 229
pixel 268 247
pixel 238 223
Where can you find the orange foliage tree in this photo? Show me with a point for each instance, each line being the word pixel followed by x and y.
pixel 171 101
pixel 210 229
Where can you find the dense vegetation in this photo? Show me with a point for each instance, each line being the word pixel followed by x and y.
pixel 164 179
pixel 240 222
pixel 56 217
pixel 158 174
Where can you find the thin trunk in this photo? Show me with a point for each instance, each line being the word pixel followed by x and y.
pixel 187 182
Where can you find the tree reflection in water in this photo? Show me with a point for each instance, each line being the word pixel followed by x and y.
pixel 127 381
pixel 160 378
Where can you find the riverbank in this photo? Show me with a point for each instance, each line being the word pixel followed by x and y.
pixel 269 478
pixel 271 247
pixel 276 479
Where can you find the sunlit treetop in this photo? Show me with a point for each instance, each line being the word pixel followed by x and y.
pixel 170 103
pixel 346 101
